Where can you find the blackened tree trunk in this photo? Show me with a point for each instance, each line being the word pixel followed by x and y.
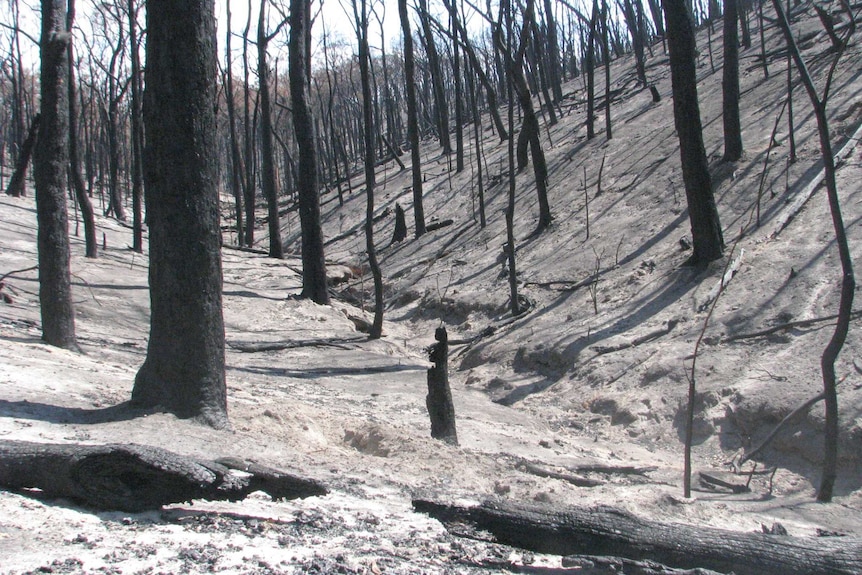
pixel 184 372
pixel 137 133
pixel 267 159
pixel 707 239
pixel 440 104
pixel 50 162
pixel 553 52
pixel 848 279
pixel 459 97
pixel 730 84
pixel 590 66
pixel 87 214
pixel 313 261
pixel 412 118
pixel 25 152
pixel 606 47
pixel 490 92
pixel 529 136
pixel 360 12
pixel 630 16
pixel 236 169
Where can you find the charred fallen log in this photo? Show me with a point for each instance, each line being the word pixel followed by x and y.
pixel 128 477
pixel 612 532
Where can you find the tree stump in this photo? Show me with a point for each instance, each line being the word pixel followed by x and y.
pixel 439 399
pixel 400 225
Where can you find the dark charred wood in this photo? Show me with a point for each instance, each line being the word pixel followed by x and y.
pixel 128 477
pixel 609 531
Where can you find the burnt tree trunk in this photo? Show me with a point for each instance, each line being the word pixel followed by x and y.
pixel 730 84
pixel 87 213
pixel 16 182
pixel 267 158
pixel 136 478
pixel 50 165
pixel 707 239
pixel 440 104
pixel 184 372
pixel 313 261
pixel 439 399
pixel 412 119
pixel 361 20
pixel 610 531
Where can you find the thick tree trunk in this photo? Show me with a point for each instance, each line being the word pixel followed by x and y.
pixel 412 119
pixel 610 531
pixel 184 372
pixel 707 239
pixel 50 164
pixel 313 261
pixel 136 478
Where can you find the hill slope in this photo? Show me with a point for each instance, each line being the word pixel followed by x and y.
pixel 578 381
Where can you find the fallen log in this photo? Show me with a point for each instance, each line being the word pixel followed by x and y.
pixel 609 531
pixel 129 477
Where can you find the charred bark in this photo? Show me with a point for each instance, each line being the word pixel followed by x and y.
pixel 610 531
pixel 136 478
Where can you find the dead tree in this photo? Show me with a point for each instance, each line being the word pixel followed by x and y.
pixel 313 261
pixel 237 180
pixel 848 281
pixel 87 214
pixel 267 159
pixel 607 531
pixel 360 16
pixel 412 119
pixel 707 238
pixel 730 84
pixel 529 137
pixel 440 105
pixel 137 132
pixel 439 399
pixel 16 186
pixel 50 165
pixel 136 478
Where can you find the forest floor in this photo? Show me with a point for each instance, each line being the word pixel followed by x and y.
pixel 595 373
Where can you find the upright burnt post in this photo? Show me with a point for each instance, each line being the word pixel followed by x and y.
pixel 439 399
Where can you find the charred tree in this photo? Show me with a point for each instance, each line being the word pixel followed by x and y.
pixel 16 187
pixel 848 280
pixel 730 84
pixel 137 133
pixel 441 107
pixel 267 159
pixel 136 478
pixel 360 14
pixel 184 371
pixel 441 410
pixel 313 261
pixel 607 531
pixel 707 238
pixel 237 181
pixel 86 206
pixel 412 118
pixel 50 164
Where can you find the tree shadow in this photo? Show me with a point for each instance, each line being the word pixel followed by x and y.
pixel 78 415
